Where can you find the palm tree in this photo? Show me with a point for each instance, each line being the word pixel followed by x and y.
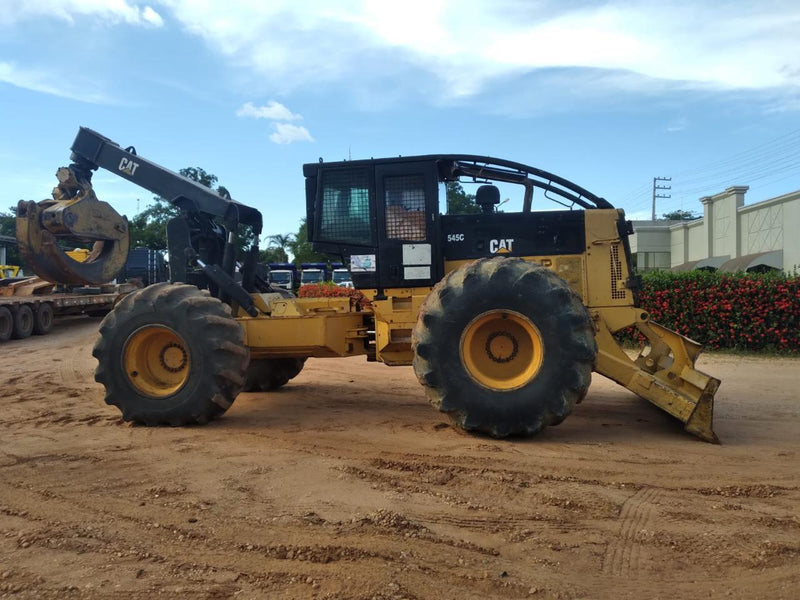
pixel 280 241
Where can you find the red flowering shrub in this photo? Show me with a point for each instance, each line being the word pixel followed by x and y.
pixel 757 311
pixel 331 290
pixel 745 311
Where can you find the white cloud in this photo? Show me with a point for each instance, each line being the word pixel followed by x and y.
pixel 152 17
pixel 111 11
pixel 466 44
pixel 679 124
pixel 446 51
pixel 286 133
pixel 42 81
pixel 275 111
pixel 283 133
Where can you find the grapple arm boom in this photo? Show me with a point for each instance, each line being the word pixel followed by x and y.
pixel 91 150
pixel 75 215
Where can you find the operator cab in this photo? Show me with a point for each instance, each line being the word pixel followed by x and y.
pixel 382 215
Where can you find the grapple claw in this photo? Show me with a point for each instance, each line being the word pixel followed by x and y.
pixel 74 215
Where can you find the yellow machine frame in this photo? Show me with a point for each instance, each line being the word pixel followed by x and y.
pixel 663 372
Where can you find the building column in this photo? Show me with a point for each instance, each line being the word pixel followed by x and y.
pixel 708 223
pixel 738 192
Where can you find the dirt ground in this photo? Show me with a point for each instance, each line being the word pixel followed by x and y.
pixel 347 484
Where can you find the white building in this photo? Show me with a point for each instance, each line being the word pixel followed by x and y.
pixel 729 237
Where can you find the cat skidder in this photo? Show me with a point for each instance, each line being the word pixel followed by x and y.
pixel 503 315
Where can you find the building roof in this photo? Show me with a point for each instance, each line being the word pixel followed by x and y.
pixel 772 259
pixel 712 262
pixel 687 266
pixel 656 223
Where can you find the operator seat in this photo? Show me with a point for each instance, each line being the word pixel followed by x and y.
pixel 487 197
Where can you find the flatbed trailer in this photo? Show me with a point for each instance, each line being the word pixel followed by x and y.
pixel 25 310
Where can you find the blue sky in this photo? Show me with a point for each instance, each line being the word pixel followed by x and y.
pixel 608 95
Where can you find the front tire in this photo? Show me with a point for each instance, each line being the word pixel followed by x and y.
pixel 504 346
pixel 170 354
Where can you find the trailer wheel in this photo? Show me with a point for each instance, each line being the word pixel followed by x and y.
pixel 6 323
pixel 267 374
pixel 23 322
pixel 504 346
pixel 43 319
pixel 170 354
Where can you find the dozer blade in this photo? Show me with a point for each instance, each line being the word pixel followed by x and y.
pixel 47 230
pixel 663 373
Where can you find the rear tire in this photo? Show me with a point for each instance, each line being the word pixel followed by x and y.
pixel 23 322
pixel 6 323
pixel 170 354
pixel 267 374
pixel 43 319
pixel 504 346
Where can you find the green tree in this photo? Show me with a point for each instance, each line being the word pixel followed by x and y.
pixel 301 248
pixel 460 202
pixel 8 227
pixel 200 175
pixel 148 229
pixel 272 254
pixel 277 245
pixel 8 224
pixel 680 215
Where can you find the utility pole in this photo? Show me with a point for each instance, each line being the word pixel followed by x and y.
pixel 657 187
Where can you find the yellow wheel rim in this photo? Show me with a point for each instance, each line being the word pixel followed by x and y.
pixel 502 350
pixel 156 361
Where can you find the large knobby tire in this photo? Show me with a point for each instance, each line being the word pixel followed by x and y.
pixel 267 374
pixel 170 354
pixel 43 319
pixel 23 322
pixel 6 323
pixel 504 346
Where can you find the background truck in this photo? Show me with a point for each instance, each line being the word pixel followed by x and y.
pixel 316 272
pixel 503 316
pixel 284 275
pixel 29 305
pixel 340 275
pixel 145 265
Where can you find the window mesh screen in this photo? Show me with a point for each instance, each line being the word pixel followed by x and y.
pixel 405 207
pixel 345 214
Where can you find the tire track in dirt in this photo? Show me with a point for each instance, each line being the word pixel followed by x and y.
pixel 170 550
pixel 58 522
pixel 623 554
pixel 76 367
pixel 346 485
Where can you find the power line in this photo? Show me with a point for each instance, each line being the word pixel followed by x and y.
pixel 746 168
pixel 767 148
pixel 765 161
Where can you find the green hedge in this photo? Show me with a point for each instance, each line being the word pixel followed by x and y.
pixel 738 311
